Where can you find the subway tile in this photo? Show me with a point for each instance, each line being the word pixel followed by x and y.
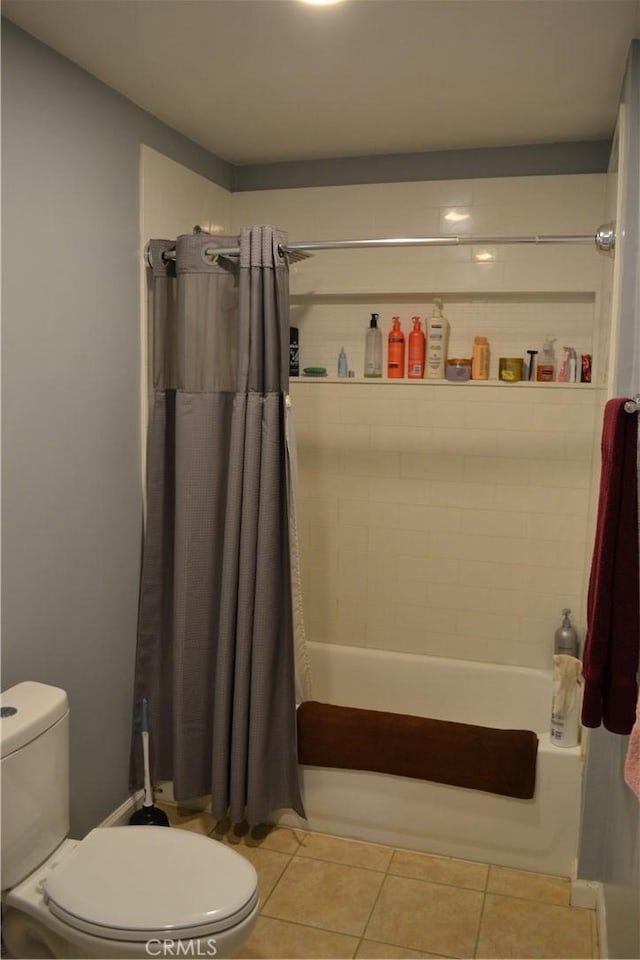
pixel 429 519
pixel 414 620
pixel 459 494
pixel 559 528
pixel 458 597
pixel 486 574
pixel 513 653
pixel 370 463
pixel 431 466
pixel 471 442
pixel 404 490
pixel 492 522
pixel 412 439
pixel 485 626
pixel 455 647
pixel 428 569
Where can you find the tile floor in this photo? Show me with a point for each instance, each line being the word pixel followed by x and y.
pixel 328 897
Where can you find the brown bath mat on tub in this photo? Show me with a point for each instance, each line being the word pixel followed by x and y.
pixel 480 758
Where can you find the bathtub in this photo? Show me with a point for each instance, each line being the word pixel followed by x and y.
pixel 539 834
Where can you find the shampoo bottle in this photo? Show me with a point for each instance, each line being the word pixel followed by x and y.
pixel 417 350
pixel 373 348
pixel 437 343
pixel 395 351
pixel 480 359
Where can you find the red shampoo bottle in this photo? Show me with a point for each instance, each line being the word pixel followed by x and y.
pixel 416 351
pixel 395 354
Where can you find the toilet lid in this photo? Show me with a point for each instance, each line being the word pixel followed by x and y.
pixel 137 883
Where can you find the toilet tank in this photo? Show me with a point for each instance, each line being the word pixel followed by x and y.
pixel 34 730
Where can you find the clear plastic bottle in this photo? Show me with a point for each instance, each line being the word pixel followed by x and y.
pixel 343 363
pixel 373 348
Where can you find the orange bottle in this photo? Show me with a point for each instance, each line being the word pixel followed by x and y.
pixel 416 351
pixel 395 353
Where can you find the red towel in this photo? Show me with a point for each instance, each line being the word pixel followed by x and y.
pixel 613 603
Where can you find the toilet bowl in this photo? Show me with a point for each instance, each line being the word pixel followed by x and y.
pixel 133 891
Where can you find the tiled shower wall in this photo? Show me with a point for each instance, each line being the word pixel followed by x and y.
pixel 446 519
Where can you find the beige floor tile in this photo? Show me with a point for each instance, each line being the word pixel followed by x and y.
pixel 269 864
pixel 424 866
pixel 427 916
pixel 269 836
pixel 317 846
pixel 531 886
pixel 198 821
pixel 279 938
pixel 513 928
pixel 283 839
pixel 370 950
pixel 333 896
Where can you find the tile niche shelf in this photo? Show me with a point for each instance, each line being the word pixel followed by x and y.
pixel 406 382
pixel 514 322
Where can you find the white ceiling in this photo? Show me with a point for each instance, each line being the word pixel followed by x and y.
pixel 256 81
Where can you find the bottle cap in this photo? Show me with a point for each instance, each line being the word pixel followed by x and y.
pixel 374 319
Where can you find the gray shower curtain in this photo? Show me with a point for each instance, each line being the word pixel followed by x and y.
pixel 215 647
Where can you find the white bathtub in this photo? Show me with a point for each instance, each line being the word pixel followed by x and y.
pixel 539 834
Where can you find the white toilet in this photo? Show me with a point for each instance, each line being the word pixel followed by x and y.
pixel 138 891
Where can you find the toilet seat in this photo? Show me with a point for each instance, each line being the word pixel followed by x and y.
pixel 143 883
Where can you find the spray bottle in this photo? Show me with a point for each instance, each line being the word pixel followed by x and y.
pixel 546 367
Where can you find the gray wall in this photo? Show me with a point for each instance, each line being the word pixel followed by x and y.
pixel 530 160
pixel 610 840
pixel 71 500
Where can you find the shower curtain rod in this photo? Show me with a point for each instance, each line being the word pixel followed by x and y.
pixel 604 240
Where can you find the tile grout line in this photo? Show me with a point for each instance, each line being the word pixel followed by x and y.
pixel 385 874
pixel 480 919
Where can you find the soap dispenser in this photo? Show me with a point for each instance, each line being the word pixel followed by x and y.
pixel 565 639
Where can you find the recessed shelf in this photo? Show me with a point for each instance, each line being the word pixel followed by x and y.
pixel 405 382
